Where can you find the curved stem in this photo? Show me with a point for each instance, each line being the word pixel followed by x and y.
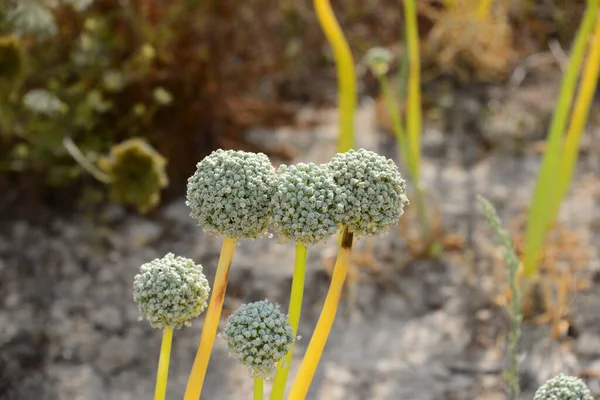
pixel 211 321
pixel 321 333
pixel 346 74
pixel 82 160
pixel 258 388
pixel 294 310
pixel 163 365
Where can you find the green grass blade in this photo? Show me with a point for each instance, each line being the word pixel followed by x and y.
pixel 541 208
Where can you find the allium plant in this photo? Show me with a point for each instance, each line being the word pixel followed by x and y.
pixel 374 196
pixel 229 195
pixel 308 208
pixel 258 336
pixel 563 387
pixel 169 292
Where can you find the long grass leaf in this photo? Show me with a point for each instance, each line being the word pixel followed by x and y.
pixel 581 109
pixel 540 208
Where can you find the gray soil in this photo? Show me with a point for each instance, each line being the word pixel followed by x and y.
pixel 408 328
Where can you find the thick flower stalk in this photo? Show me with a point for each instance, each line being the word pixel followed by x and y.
pixel 307 209
pixel 258 336
pixel 169 292
pixel 563 387
pixel 374 196
pixel 229 195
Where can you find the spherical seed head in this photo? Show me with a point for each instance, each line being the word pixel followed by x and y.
pixel 375 193
pixel 563 387
pixel 307 204
pixel 170 291
pixel 258 335
pixel 230 193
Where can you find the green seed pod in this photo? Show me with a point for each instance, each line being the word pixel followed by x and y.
pixel 563 387
pixel 307 205
pixel 170 291
pixel 137 174
pixel 375 193
pixel 12 60
pixel 230 194
pixel 258 336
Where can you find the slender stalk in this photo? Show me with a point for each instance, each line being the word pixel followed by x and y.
pixel 163 365
pixel 540 209
pixel 346 74
pixel 294 310
pixel 258 388
pixel 321 333
pixel 581 109
pixel 511 261
pixel 82 160
pixel 211 321
pixel 413 106
pixel 404 149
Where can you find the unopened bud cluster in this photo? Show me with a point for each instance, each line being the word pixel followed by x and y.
pixel 258 336
pixel 170 291
pixel 563 387
pixel 230 193
pixel 238 195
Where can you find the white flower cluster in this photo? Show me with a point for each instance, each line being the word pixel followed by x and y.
pixel 234 194
pixel 307 205
pixel 563 387
pixel 375 191
pixel 170 291
pixel 230 193
pixel 258 336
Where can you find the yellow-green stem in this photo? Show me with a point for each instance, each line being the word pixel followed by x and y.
pixel 163 365
pixel 394 111
pixel 587 88
pixel 413 100
pixel 211 321
pixel 540 209
pixel 294 311
pixel 321 333
pixel 258 388
pixel 346 74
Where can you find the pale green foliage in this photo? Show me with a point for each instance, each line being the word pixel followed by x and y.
pixel 43 102
pixel 516 314
pixel 170 291
pixel 230 193
pixel 375 193
pixel 563 387
pixel 258 336
pixel 307 205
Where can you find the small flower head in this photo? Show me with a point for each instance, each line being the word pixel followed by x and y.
pixel 379 59
pixel 258 335
pixel 375 193
pixel 137 174
pixel 563 387
pixel 230 193
pixel 170 291
pixel 307 205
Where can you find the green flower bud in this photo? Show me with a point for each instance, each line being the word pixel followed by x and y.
pixel 170 291
pixel 563 387
pixel 379 59
pixel 137 174
pixel 258 336
pixel 375 193
pixel 230 193
pixel 307 205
